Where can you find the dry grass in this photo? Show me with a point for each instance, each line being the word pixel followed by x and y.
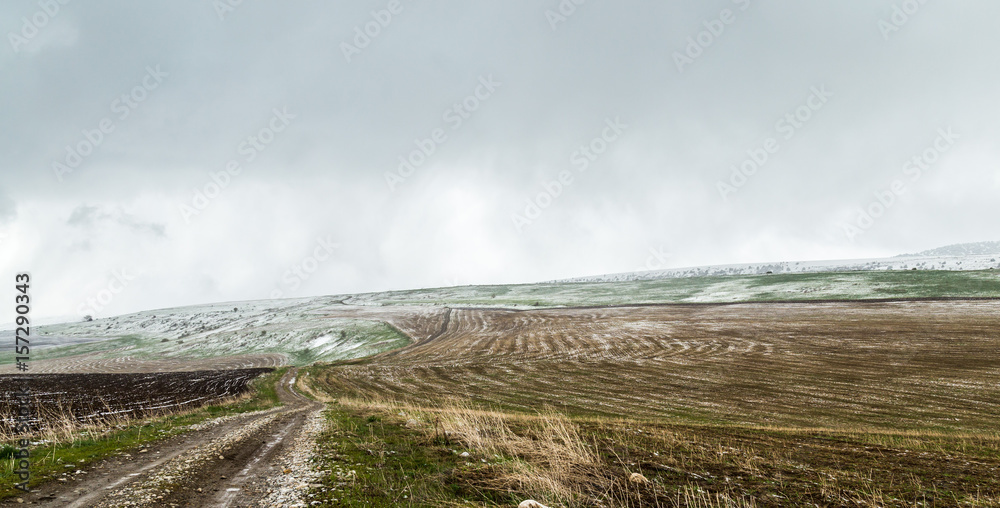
pixel 58 425
pixel 578 462
pixel 694 497
pixel 909 365
pixel 544 456
pixel 832 404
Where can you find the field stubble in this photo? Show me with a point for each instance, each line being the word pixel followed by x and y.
pixel 777 404
pixel 903 365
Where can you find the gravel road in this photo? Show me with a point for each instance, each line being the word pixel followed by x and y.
pixel 256 459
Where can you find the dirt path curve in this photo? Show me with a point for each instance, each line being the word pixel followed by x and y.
pixel 234 461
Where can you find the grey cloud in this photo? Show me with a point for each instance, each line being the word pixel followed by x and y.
pixel 451 219
pixel 8 208
pixel 88 216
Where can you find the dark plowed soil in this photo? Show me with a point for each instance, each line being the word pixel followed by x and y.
pixel 95 396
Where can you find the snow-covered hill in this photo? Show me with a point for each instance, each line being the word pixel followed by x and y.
pixel 961 249
pixel 292 328
pixel 969 256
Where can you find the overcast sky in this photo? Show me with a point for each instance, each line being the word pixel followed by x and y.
pixel 167 153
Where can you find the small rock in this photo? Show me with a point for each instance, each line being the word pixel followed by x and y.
pixel 637 478
pixel 531 503
pixel 463 454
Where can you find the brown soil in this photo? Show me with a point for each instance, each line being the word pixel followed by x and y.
pixel 902 365
pixel 93 397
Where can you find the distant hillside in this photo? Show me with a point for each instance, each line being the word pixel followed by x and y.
pixel 962 249
pixel 960 257
pixel 284 332
pixel 844 286
pixel 328 328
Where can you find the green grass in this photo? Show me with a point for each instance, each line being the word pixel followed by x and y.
pixel 377 461
pixel 49 460
pixel 351 338
pixel 861 285
pixel 374 459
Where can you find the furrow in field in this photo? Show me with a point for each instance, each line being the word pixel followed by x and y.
pixel 863 363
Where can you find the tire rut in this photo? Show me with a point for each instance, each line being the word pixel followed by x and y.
pixel 209 467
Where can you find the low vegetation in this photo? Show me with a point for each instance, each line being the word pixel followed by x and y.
pixel 382 453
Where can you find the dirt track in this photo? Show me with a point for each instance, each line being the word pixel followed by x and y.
pixel 230 462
